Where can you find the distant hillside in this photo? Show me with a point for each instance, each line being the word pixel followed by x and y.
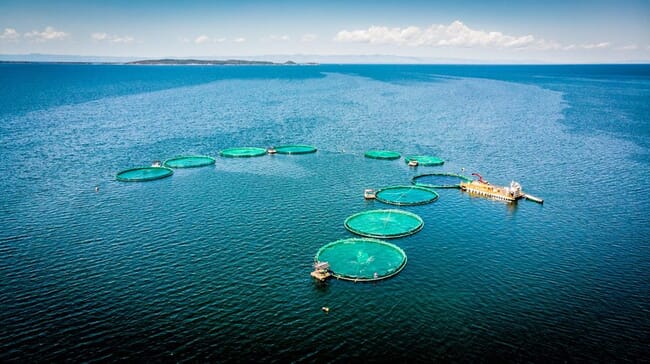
pixel 202 62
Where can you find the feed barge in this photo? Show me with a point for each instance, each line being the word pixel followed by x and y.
pixel 511 193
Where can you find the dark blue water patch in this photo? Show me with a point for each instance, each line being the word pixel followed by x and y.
pixel 600 98
pixel 615 106
pixel 28 87
pixel 515 73
pixel 398 74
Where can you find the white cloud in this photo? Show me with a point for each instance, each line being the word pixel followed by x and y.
pixel 629 47
pixel 101 37
pixel 572 47
pixel 9 34
pixel 308 37
pixel 202 39
pixel 239 40
pixel 125 39
pixel 543 44
pixel 455 34
pixel 596 45
pixel 279 38
pixel 48 34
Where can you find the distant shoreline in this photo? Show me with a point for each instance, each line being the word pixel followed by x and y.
pixel 170 62
pixel 236 62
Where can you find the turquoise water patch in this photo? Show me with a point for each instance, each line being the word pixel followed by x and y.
pixel 239 152
pixel 295 149
pixel 424 160
pixel 142 174
pixel 191 161
pixel 439 180
pixel 362 259
pixel 384 223
pixel 406 195
pixel 382 154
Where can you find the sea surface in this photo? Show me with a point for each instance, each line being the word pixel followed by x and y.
pixel 212 264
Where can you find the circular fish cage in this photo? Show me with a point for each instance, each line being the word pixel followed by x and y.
pixel 189 161
pixel 142 174
pixel 362 259
pixel 382 154
pixel 384 223
pixel 424 160
pixel 240 152
pixel 295 149
pixel 406 195
pixel 439 180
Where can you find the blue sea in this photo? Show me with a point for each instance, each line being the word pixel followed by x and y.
pixel 212 264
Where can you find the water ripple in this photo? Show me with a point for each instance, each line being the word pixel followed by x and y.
pixel 212 263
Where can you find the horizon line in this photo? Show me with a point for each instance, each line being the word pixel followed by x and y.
pixel 405 60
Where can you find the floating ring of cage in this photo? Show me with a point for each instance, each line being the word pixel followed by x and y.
pixel 384 223
pixel 189 161
pixel 239 152
pixel 424 160
pixel 441 180
pixel 362 259
pixel 406 195
pixel 382 154
pixel 142 174
pixel 295 149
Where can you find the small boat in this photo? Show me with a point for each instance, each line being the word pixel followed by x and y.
pixel 271 150
pixel 482 187
pixel 369 194
pixel 156 163
pixel 321 271
pixel 413 163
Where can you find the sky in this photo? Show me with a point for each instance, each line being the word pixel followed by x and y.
pixel 553 31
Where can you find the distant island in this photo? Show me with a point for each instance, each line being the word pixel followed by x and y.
pixel 166 61
pixel 206 62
